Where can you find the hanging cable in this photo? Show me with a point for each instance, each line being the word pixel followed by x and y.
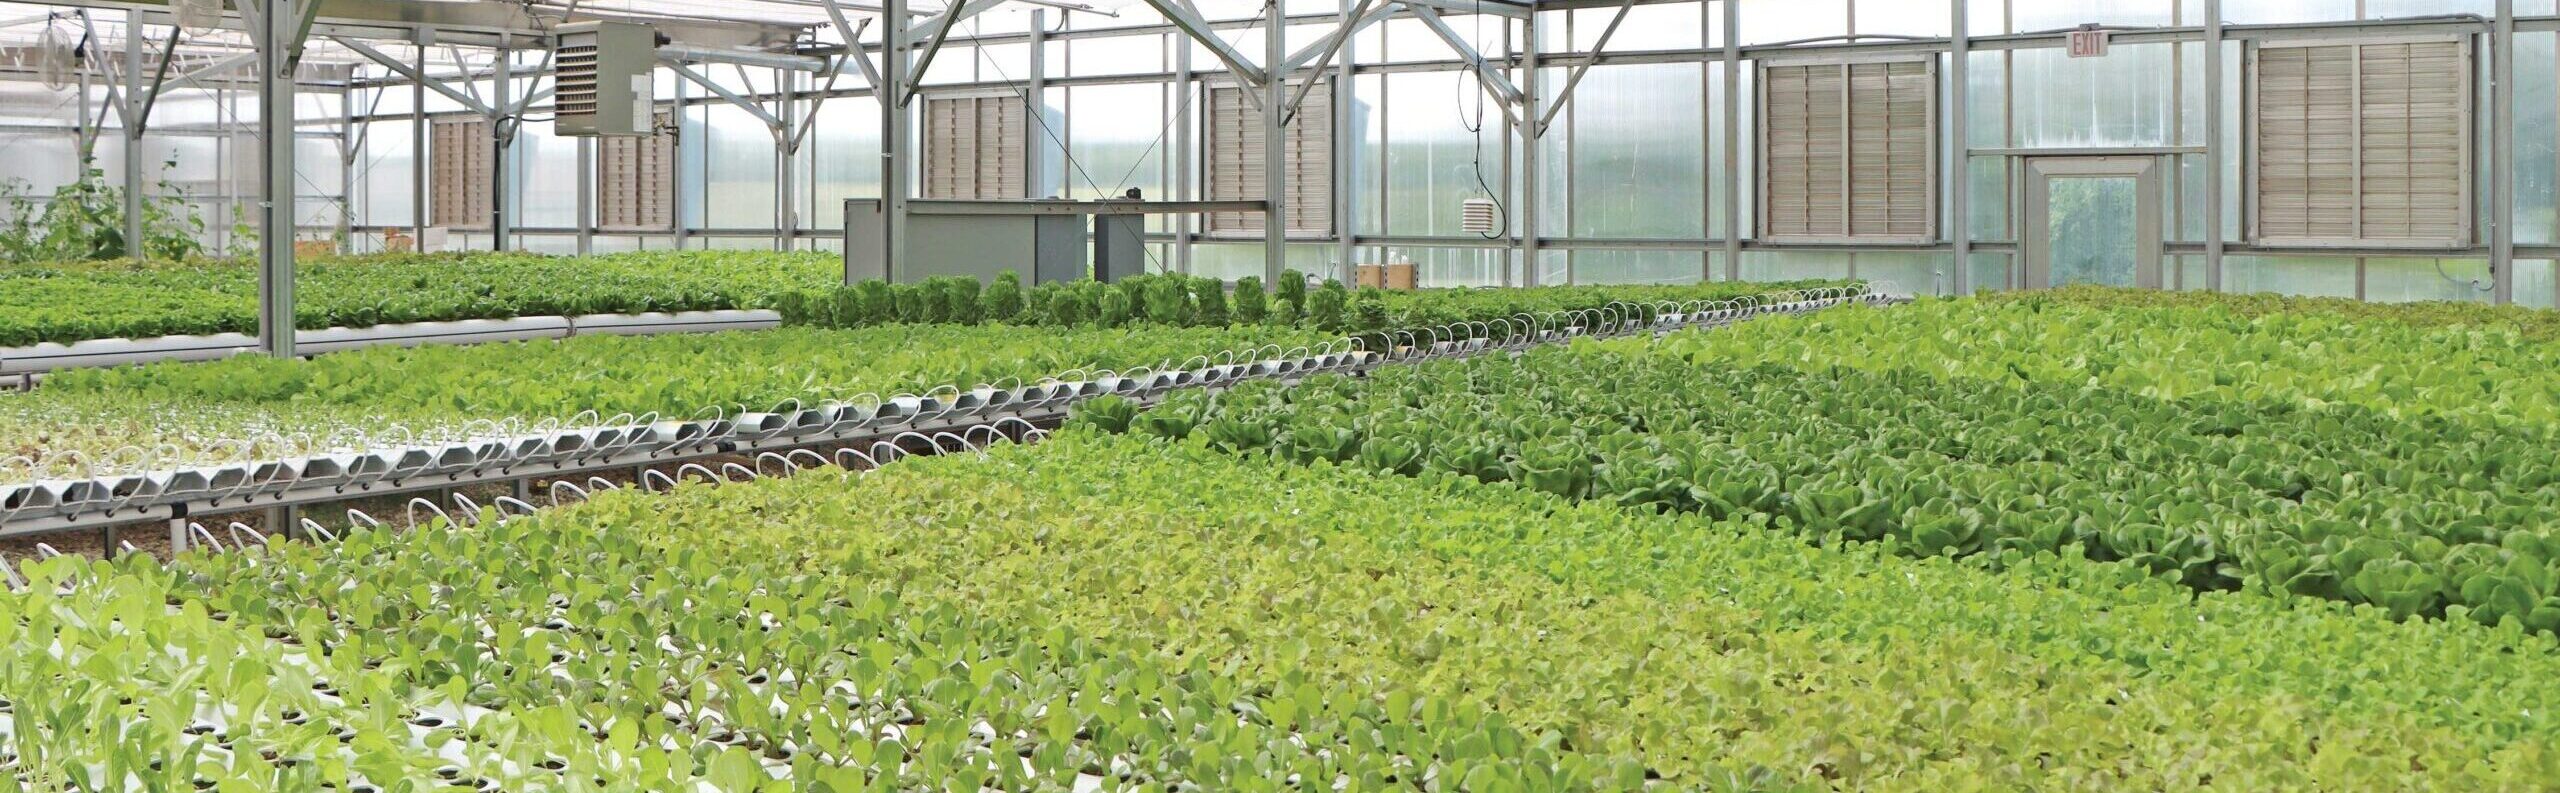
pixel 1475 127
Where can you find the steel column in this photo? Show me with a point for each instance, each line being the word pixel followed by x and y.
pixel 133 132
pixel 1526 205
pixel 587 193
pixel 2502 160
pixel 1958 166
pixel 1035 103
pixel 1183 172
pixel 1275 162
pixel 1733 136
pixel 502 136
pixel 418 150
pixel 275 177
pixel 894 156
pixel 786 206
pixel 2213 145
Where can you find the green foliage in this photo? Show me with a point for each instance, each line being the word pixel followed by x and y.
pixel 1325 310
pixel 71 302
pixel 195 406
pixel 1002 302
pixel 1862 437
pixel 84 221
pixel 1291 297
pixel 1209 301
pixel 1026 629
pixel 1168 301
pixel 1253 306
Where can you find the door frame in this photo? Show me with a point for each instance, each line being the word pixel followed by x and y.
pixel 2035 243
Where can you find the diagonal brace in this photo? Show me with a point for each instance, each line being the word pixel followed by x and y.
pixel 1290 111
pixel 1324 47
pixel 1576 77
pixel 686 71
pixel 1504 93
pixel 405 70
pixel 1188 20
pixel 941 26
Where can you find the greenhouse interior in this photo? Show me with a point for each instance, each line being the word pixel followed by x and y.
pixel 1666 395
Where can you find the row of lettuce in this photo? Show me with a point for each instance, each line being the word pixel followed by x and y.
pixel 75 302
pixel 2397 465
pixel 1091 612
pixel 165 414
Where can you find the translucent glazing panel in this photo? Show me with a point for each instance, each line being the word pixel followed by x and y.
pixel 386 175
pixel 1773 21
pixel 2123 99
pixel 844 161
pixel 2042 15
pixel 1116 140
pixel 2537 139
pixel 1230 261
pixel 1903 17
pixel 1637 172
pixel 1988 202
pixel 1794 265
pixel 737 183
pixel 2535 287
pixel 2257 12
pixel 2315 276
pixel 2395 280
pixel 1142 54
pixel 2090 230
pixel 1986 99
pixel 1907 273
pixel 1988 272
pixel 2394 9
pixel 1369 155
pixel 1432 157
pixel 1647 27
pixel 547 186
pixel 1638 267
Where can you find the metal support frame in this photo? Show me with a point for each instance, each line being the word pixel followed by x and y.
pixel 133 92
pixel 418 151
pixel 502 135
pixel 2213 146
pixel 1575 77
pixel 1187 19
pixel 894 157
pixel 417 76
pixel 279 49
pixel 1275 155
pixel 1337 40
pixel 2502 145
pixel 1505 94
pixel 1034 104
pixel 1957 165
pixel 1733 136
pixel 1525 205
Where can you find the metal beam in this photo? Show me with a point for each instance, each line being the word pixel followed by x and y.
pixel 894 157
pixel 1188 20
pixel 1525 205
pixel 771 60
pixel 940 25
pixel 1290 109
pixel 687 72
pixel 415 76
pixel 1733 136
pixel 1351 26
pixel 133 92
pixel 1494 7
pixel 1505 94
pixel 940 30
pixel 1571 80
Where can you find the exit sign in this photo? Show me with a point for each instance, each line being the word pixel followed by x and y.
pixel 2088 43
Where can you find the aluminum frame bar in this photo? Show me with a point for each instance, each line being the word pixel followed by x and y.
pixel 1494 82
pixel 1575 78
pixel 1188 20
pixel 686 71
pixel 415 77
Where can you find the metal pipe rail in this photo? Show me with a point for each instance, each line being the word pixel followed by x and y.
pixel 171 496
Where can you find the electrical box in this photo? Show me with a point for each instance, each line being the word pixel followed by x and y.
pixel 603 73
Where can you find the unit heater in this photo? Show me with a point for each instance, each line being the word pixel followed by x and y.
pixel 603 74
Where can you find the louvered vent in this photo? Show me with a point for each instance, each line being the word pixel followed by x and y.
pixel 1232 168
pixel 974 147
pixel 2363 145
pixel 1848 152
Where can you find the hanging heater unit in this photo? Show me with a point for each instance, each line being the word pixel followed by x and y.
pixel 602 70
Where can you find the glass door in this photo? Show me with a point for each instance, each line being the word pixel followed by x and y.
pixel 2092 220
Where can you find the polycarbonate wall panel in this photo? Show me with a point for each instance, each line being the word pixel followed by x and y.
pixel 737 158
pixel 547 190
pixel 2124 99
pixel 1638 267
pixel 386 175
pixel 1636 171
pixel 843 159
